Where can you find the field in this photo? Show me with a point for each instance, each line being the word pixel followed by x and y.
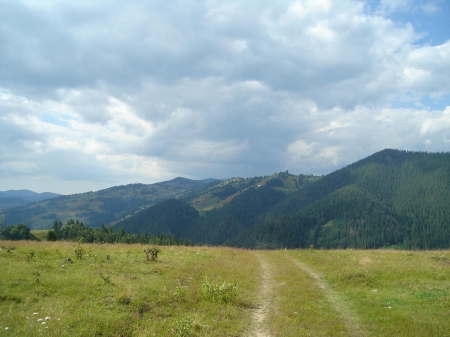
pixel 67 289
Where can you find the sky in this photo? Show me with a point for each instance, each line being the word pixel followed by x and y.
pixel 95 94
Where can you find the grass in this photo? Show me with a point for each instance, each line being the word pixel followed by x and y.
pixel 300 308
pixel 392 293
pixel 39 234
pixel 123 294
pixel 210 291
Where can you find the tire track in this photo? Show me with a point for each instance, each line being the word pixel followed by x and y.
pixel 354 329
pixel 259 326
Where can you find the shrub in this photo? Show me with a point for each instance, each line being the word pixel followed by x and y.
pixel 221 292
pixel 181 327
pixel 51 235
pixel 179 293
pixel 151 254
pixel 31 255
pixel 79 252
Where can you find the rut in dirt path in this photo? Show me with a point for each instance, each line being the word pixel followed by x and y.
pixel 348 317
pixel 259 325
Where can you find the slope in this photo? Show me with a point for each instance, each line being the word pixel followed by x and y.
pixel 101 207
pixel 227 207
pixel 16 198
pixel 390 198
pixel 170 217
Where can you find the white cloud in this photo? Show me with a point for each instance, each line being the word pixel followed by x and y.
pixel 430 8
pixel 389 6
pixel 135 91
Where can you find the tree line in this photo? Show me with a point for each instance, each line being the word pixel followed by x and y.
pixel 15 232
pixel 76 231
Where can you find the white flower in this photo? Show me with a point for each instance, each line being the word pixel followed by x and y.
pixel 46 318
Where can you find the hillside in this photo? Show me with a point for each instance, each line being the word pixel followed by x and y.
pixel 120 202
pixel 392 198
pixel 101 207
pixel 170 216
pixel 227 207
pixel 16 198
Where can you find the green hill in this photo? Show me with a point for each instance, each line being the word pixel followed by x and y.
pixel 170 217
pixel 101 207
pixel 392 198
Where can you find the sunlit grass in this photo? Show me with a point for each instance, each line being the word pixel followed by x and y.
pixel 115 291
pixel 299 308
pixel 393 293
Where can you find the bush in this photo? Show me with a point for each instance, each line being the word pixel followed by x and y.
pixel 181 327
pixel 151 254
pixel 79 252
pixel 221 292
pixel 51 235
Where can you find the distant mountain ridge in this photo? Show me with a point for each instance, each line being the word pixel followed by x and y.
pixel 96 208
pixel 392 198
pixel 15 198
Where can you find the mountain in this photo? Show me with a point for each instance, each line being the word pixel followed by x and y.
pixel 392 198
pixel 240 200
pixel 101 207
pixel 220 225
pixel 170 216
pixel 15 198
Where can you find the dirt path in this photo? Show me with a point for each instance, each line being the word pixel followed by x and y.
pixel 259 325
pixel 347 316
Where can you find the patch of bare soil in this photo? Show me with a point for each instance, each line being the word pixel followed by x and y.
pixel 259 325
pixel 354 329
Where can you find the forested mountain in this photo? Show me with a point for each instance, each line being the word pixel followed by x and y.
pixel 15 198
pixel 236 202
pixel 392 198
pixel 170 217
pixel 101 207
pixel 220 225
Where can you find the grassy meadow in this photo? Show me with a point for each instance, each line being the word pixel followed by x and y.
pixel 113 290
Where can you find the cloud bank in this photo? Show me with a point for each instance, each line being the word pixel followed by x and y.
pixel 95 94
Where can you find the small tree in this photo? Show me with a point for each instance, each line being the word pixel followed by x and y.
pixel 51 235
pixel 151 254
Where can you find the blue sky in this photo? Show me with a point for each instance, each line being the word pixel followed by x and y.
pixel 104 93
